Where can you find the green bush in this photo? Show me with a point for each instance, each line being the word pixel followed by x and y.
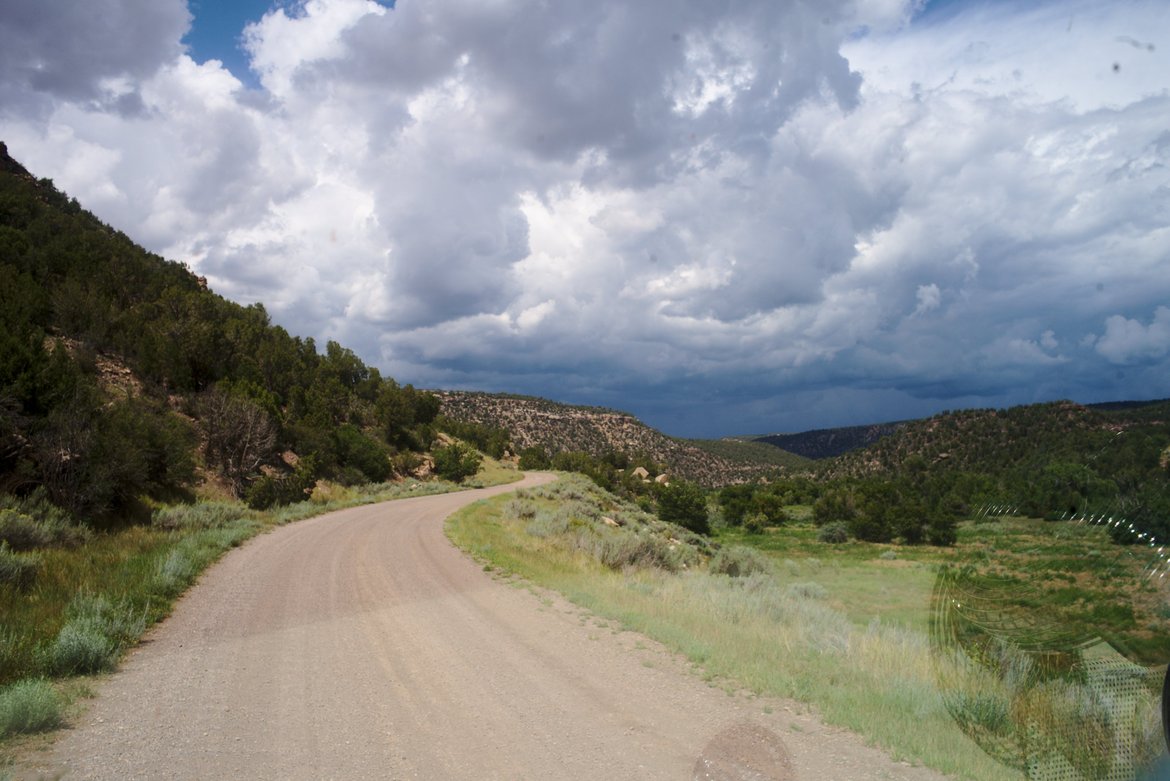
pixel 98 459
pixel 81 648
pixel 490 439
pixel 941 531
pixel 621 550
pixel 755 523
pixel 770 506
pixel 456 462
pixel 836 532
pixel 21 532
pixel 350 476
pixel 405 462
pixel 31 705
pixel 736 502
pixel 835 505
pixel 357 451
pixel 871 528
pixel 685 504
pixel 18 569
pixel 270 491
pixel 534 458
pixel 34 522
pixel 739 562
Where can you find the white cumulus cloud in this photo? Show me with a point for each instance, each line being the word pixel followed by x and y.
pixel 724 217
pixel 1128 340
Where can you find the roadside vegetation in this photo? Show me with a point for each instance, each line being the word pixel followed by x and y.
pixel 842 626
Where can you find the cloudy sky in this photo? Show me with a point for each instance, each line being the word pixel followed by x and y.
pixel 734 217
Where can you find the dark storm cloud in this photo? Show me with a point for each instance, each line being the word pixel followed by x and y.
pixel 66 49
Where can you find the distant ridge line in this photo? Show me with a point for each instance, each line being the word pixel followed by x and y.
pixel 533 421
pixel 827 443
pixel 831 442
pixel 1109 406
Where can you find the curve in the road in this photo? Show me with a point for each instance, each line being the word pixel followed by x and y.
pixel 363 645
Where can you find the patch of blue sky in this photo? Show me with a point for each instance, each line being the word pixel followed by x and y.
pixel 217 31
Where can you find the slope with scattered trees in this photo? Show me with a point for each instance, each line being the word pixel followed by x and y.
pixel 553 428
pixel 123 378
pixel 1053 459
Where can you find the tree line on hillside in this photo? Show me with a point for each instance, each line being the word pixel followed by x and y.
pixel 1048 460
pixel 221 388
pixel 913 508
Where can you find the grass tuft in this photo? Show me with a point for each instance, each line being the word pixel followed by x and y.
pixel 80 649
pixel 18 569
pixel 31 705
pixel 174 572
pixel 808 590
pixel 95 635
pixel 204 515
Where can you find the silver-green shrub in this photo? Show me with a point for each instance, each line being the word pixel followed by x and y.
pixel 738 561
pixel 95 634
pixel 31 705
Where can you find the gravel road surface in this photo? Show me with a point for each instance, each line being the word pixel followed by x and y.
pixel 363 645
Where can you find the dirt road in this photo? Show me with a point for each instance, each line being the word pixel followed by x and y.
pixel 363 645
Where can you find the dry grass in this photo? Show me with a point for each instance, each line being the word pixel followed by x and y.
pixel 775 634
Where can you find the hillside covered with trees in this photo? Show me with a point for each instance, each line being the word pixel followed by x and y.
pixel 123 378
pixel 1055 460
